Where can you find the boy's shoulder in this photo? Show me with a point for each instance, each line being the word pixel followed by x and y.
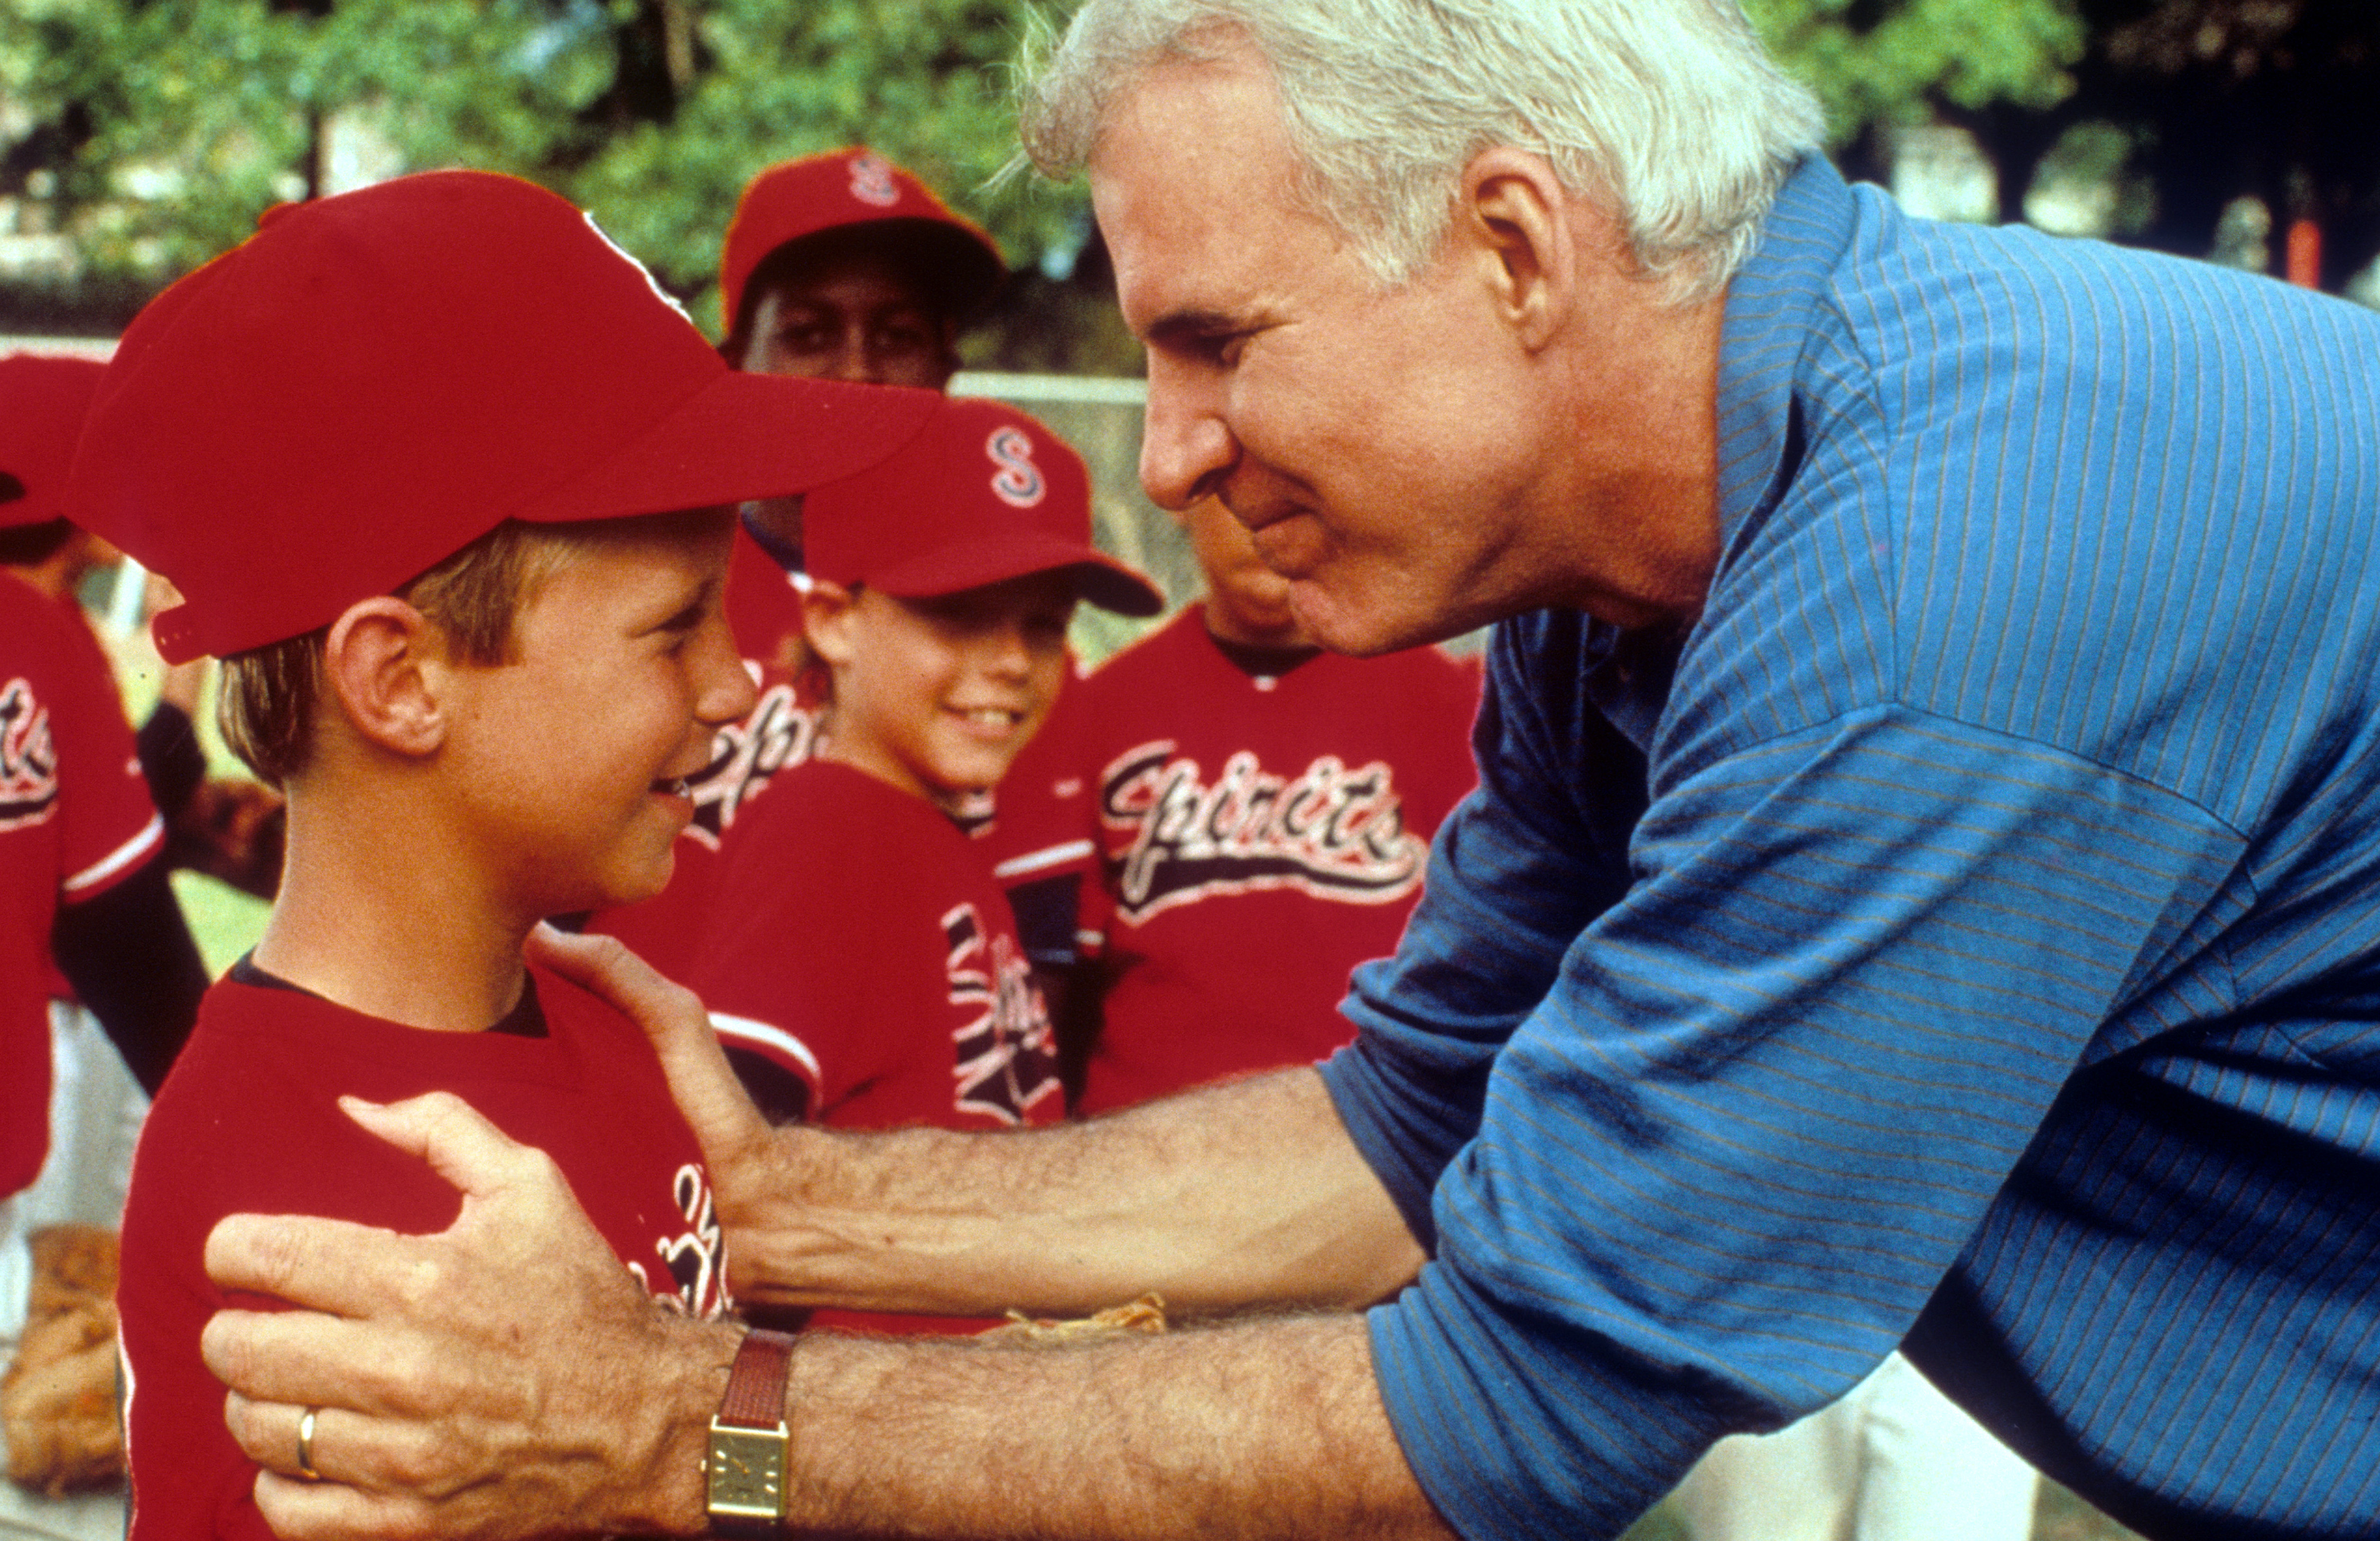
pixel 250 1117
pixel 1150 657
pixel 248 1120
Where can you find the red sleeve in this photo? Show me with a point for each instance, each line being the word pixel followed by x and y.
pixel 191 1481
pixel 817 956
pixel 109 825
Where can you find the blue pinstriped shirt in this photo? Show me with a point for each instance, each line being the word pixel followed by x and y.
pixel 1965 932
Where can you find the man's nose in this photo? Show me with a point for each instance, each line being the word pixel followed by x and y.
pixel 1185 447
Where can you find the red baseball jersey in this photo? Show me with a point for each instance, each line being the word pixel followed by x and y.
pixel 859 942
pixel 864 972
pixel 1036 830
pixel 74 820
pixel 1260 835
pixel 248 1122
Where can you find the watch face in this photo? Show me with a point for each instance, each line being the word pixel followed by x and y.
pixel 747 1473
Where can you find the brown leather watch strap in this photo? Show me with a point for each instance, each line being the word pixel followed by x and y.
pixel 756 1385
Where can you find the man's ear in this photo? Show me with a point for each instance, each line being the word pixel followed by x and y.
pixel 828 621
pixel 386 663
pixel 1524 221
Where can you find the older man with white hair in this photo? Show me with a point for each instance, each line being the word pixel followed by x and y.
pixel 1921 891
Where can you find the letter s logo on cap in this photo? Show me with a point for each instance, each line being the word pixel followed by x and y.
pixel 1018 481
pixel 871 181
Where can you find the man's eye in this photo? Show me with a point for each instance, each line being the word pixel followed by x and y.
pixel 807 339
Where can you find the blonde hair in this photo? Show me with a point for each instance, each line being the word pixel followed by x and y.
pixel 268 698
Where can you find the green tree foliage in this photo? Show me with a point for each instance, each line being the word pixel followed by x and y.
pixel 154 131
pixel 2228 99
pixel 1889 63
pixel 1881 63
pixel 2188 104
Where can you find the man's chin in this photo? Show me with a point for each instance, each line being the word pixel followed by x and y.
pixel 1362 627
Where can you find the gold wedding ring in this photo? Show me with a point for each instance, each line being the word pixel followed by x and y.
pixel 306 1445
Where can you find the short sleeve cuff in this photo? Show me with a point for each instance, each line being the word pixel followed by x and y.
pixel 1513 1432
pixel 1367 1100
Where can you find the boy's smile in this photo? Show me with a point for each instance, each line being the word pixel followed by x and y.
pixel 937 696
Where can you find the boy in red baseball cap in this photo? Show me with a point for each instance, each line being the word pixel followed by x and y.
pixel 884 984
pixel 444 478
pixel 842 266
pixel 86 913
pixel 835 266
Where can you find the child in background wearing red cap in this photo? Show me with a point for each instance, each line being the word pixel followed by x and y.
pixel 838 266
pixel 863 964
pixel 842 266
pixel 413 456
pixel 72 787
pixel 91 938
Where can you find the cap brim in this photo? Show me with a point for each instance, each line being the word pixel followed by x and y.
pixel 1099 578
pixel 742 436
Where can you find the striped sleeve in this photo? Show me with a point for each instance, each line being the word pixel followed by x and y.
pixel 1721 1166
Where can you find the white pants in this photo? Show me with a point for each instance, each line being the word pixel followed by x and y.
pixel 1895 1460
pixel 95 1113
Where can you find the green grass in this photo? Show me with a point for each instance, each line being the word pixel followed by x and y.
pixel 224 921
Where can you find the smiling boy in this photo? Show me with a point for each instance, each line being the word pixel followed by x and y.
pixel 888 985
pixel 443 478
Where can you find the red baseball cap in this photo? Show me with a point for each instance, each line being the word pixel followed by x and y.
pixel 850 187
pixel 43 400
pixel 983 493
pixel 373 381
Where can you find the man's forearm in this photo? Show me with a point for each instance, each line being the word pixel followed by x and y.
pixel 1238 1195
pixel 507 1378
pixel 1270 1428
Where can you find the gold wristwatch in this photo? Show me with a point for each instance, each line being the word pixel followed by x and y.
pixel 744 1470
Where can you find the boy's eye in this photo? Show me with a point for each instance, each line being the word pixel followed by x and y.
pixel 958 614
pixel 901 339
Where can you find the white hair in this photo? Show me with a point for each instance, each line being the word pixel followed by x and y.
pixel 1669 113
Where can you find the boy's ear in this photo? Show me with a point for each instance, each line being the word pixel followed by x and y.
pixel 386 663
pixel 827 620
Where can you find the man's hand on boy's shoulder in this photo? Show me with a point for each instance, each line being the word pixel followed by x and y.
pixel 505 1377
pixel 739 1145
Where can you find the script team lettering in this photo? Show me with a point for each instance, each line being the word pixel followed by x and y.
pixel 1007 1058
pixel 779 732
pixel 1329 831
pixel 29 761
